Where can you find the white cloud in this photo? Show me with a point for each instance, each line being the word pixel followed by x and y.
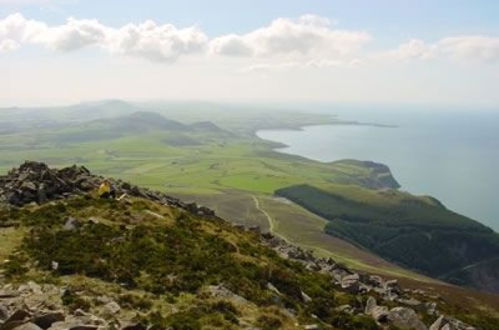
pixel 231 45
pixel 8 45
pixel 413 49
pixel 148 40
pixel 308 35
pixel 75 34
pixel 477 48
pixel 15 27
pixel 308 41
pixel 471 47
pixel 156 42
pixel 297 65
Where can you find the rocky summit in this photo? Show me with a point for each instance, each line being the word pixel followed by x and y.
pixel 149 261
pixel 36 182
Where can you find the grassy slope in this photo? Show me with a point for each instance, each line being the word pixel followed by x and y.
pixel 244 164
pixel 159 262
pixel 406 230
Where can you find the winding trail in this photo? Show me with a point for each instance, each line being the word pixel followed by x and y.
pixel 354 263
pixel 267 215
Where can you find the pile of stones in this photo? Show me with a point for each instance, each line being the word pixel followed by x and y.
pixel 32 306
pixel 389 291
pixel 35 182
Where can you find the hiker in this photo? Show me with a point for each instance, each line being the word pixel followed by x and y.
pixel 106 190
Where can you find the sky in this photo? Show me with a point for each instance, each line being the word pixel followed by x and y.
pixel 438 52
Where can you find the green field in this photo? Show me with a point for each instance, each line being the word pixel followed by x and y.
pixel 226 167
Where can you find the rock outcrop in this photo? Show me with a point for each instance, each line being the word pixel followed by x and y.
pixel 36 182
pixel 403 316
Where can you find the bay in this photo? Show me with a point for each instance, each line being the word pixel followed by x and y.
pixel 451 156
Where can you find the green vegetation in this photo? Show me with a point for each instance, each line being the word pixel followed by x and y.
pixel 173 256
pixel 401 228
pixel 221 170
pixel 224 166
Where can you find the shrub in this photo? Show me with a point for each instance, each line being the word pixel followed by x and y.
pixel 269 322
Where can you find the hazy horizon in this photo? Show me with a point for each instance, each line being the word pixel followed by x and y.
pixel 62 52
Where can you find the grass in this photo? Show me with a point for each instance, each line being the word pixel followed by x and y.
pixel 213 172
pixel 176 256
pixel 405 229
pixel 158 268
pixel 218 163
pixel 10 238
pixel 306 229
pixel 224 172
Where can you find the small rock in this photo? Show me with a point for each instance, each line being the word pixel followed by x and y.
pixel 72 224
pixel 431 308
pixel 410 302
pixel 134 326
pixel 111 308
pixel 84 327
pixel 72 326
pixel 438 324
pixel 27 326
pixel 34 287
pixel 16 319
pixel 406 318
pixel 93 221
pixel 54 265
pixel 311 327
pixel 44 321
pixel 380 314
pixel 370 304
pixel 392 285
pixel 345 309
pixel 272 288
pixel 18 315
pixel 376 280
pixel 306 298
pixel 350 283
pixel 220 291
pixel 4 313
pixel 8 294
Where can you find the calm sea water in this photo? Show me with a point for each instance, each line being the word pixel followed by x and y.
pixel 451 156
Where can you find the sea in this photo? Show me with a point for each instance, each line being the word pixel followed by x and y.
pixel 450 155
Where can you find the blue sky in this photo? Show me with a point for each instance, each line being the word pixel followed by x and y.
pixel 451 43
pixel 388 18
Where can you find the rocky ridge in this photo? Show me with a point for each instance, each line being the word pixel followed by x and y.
pixel 35 182
pixel 32 306
pixel 389 291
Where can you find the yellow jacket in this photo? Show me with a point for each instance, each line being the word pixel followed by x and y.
pixel 104 188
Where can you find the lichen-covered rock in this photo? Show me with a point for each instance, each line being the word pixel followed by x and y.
pixel 405 318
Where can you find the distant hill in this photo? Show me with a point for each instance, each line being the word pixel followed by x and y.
pixel 377 176
pixel 139 122
pixel 206 126
pixel 97 110
pixel 416 232
pixel 135 123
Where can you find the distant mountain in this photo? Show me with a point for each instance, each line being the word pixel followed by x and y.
pixel 139 122
pixel 205 126
pixel 97 110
